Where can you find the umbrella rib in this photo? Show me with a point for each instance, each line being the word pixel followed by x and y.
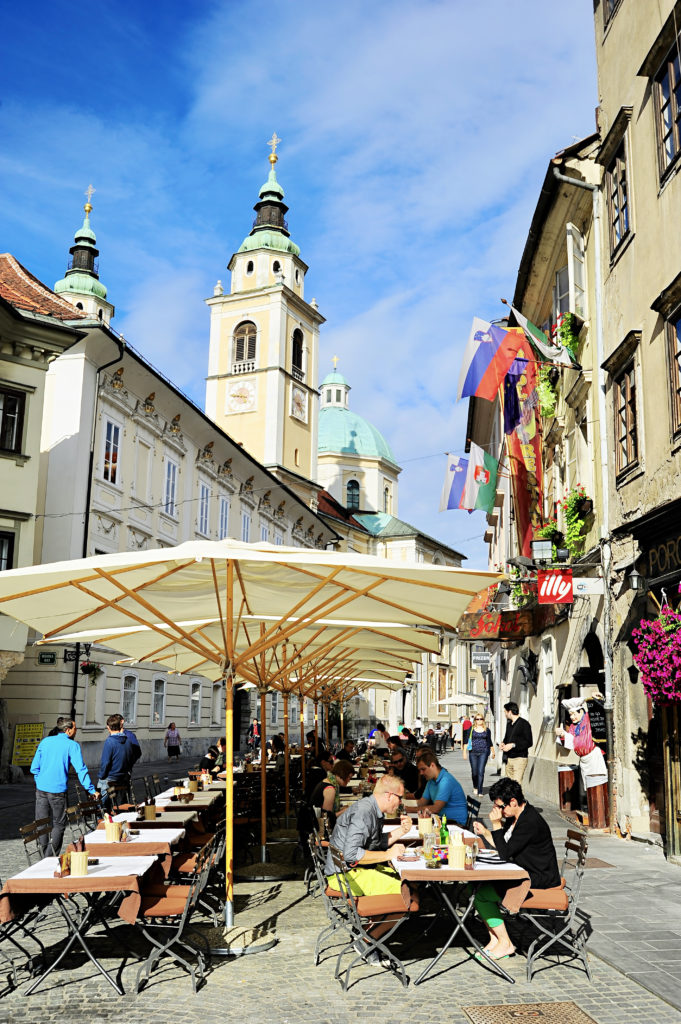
pixel 219 602
pixel 407 581
pixel 80 585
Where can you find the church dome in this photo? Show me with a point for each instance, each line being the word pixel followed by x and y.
pixel 343 432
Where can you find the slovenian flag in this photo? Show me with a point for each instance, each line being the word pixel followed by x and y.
pixel 555 353
pixel 481 480
pixel 455 481
pixel 488 356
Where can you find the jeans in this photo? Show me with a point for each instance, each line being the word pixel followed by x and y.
pixel 478 762
pixel 51 805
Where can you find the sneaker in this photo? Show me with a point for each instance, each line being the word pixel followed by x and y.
pixel 371 956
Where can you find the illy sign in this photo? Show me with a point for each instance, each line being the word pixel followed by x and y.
pixel 554 586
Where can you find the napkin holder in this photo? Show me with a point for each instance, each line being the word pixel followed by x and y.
pixel 149 812
pixel 193 786
pixel 79 863
pixel 113 831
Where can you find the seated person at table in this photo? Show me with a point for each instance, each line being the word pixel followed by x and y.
pixel 368 850
pixel 326 794
pixel 520 835
pixel 442 793
pixel 209 759
pixel 403 769
pixel 346 753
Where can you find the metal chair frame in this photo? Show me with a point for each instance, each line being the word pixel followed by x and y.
pixel 557 927
pixel 32 834
pixel 358 929
pixel 473 808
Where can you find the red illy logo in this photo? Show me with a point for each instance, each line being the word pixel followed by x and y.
pixel 554 586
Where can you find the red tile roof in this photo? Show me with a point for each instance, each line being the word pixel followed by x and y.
pixel 24 291
pixel 328 506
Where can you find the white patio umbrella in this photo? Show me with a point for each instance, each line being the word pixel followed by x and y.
pixel 269 595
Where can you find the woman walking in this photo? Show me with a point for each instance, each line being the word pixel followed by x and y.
pixel 480 748
pixel 172 742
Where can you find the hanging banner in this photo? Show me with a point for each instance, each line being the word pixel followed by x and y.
pixel 554 586
pixel 525 451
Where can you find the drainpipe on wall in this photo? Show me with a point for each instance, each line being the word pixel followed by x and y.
pixel 88 495
pixel 606 551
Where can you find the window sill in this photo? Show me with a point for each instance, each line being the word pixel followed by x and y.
pixel 622 248
pixel 15 457
pixel 628 475
pixel 118 488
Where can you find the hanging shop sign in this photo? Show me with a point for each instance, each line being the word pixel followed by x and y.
pixel 554 586
pixel 506 625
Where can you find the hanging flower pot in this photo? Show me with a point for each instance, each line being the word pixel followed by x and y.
pixel 657 656
pixel 91 669
pixel 585 507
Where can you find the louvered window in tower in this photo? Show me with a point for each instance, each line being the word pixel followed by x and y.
pixel 244 348
pixel 297 354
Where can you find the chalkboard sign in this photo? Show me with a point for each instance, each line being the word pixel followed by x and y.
pixel 597 719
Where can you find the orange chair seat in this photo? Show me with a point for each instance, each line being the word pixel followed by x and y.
pixel 185 863
pixel 374 906
pixel 162 906
pixel 546 899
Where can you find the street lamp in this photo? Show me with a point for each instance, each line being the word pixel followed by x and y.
pixel 542 550
pixel 637 582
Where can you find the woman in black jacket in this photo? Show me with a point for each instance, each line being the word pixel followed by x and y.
pixel 520 835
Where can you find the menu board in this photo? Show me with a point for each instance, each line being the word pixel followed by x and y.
pixel 27 736
pixel 597 719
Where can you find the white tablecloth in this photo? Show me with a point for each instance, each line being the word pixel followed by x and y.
pixel 111 867
pixel 160 835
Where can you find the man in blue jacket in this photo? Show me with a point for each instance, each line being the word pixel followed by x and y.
pixel 118 757
pixel 443 794
pixel 50 766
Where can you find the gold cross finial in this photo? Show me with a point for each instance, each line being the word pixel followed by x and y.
pixel 273 143
pixel 88 194
pixel 335 362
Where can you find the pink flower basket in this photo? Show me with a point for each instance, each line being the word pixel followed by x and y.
pixel 658 656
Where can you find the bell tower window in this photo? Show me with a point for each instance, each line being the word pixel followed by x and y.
pixel 297 354
pixel 352 495
pixel 244 348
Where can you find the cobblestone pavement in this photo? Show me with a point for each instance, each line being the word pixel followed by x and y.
pixel 282 985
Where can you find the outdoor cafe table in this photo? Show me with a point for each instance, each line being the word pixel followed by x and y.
pixel 111 875
pixel 462 881
pixel 165 818
pixel 151 843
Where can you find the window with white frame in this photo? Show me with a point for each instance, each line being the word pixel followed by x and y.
pixel 245 527
pixel 547 676
pixel 223 527
pixel 293 711
pixel 158 701
pixel 274 708
pixel 278 537
pixel 170 489
pixel 112 444
pixel 204 504
pixel 142 464
pixel 129 688
pixel 218 704
pixel 264 532
pixel 569 290
pixel 194 703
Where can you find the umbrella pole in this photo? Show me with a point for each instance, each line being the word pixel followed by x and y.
pixel 263 775
pixel 316 729
pixel 287 771
pixel 302 740
pixel 342 736
pixel 229 800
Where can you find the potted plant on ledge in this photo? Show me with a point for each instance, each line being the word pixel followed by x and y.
pixel 576 507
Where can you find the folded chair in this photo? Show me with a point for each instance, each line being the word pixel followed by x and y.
pixel 551 912
pixel 364 913
pixel 164 920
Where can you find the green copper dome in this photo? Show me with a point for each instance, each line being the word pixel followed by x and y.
pixel 85 235
pixel 84 284
pixel 334 378
pixel 343 432
pixel 271 186
pixel 270 239
pixel 270 230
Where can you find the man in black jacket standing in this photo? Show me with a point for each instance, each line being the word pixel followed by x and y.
pixel 517 742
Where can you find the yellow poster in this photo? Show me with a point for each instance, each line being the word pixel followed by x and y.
pixel 27 736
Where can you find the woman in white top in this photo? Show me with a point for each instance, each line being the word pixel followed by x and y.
pixel 172 741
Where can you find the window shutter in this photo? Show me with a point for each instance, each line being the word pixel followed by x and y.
pixel 575 251
pixel 239 349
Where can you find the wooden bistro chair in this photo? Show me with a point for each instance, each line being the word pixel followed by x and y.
pixel 473 808
pixel 364 912
pixel 31 835
pixel 551 912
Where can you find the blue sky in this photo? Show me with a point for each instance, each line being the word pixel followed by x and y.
pixel 415 135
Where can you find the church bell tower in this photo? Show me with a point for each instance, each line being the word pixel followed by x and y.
pixel 261 386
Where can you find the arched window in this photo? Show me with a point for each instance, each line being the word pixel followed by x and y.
pixel 244 342
pixel 297 353
pixel 79 305
pixel 276 267
pixel 386 499
pixel 352 494
pixel 249 267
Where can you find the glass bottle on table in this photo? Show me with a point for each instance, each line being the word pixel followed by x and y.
pixel 444 833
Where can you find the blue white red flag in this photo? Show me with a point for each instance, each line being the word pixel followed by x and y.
pixel 489 353
pixel 455 481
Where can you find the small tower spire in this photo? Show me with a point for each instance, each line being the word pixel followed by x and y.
pixel 81 284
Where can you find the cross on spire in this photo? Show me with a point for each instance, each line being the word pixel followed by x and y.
pixel 335 362
pixel 88 195
pixel 273 143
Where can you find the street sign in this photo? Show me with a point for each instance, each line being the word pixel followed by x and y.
pixel 47 657
pixel 480 659
pixel 584 586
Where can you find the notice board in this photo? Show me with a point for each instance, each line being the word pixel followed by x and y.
pixel 27 736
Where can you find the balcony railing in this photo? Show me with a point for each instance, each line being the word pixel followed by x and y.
pixel 297 373
pixel 245 366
